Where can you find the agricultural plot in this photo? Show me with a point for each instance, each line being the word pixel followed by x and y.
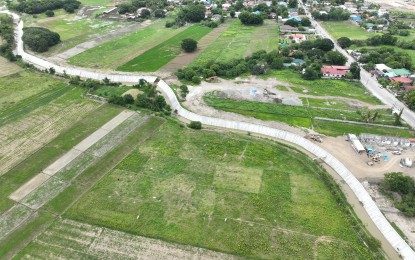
pixel 239 40
pixel 346 29
pixel 96 242
pixel 7 67
pixel 324 87
pixel 22 137
pixel 222 192
pixel 119 51
pixel 158 56
pixel 307 115
pixel 53 186
pixel 74 31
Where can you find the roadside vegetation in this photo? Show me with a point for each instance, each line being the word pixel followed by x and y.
pixel 7 37
pixel 402 191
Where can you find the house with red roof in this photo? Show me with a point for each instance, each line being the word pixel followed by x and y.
pixel 335 71
pixel 408 88
pixel 402 80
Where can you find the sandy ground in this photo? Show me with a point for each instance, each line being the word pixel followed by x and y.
pixel 7 67
pixel 407 225
pixel 186 58
pixel 357 163
pixel 241 89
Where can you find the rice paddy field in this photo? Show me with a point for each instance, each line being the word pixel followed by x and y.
pixel 159 55
pixel 119 51
pixel 346 29
pixel 239 41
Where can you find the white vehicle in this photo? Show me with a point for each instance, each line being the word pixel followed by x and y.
pixel 396 152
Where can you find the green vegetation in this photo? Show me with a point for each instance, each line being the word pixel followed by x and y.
pixel 346 29
pixel 338 128
pixel 74 31
pixel 404 187
pixel 40 39
pixel 6 37
pixel 324 87
pixel 235 43
pixel 118 51
pixel 161 54
pixel 223 192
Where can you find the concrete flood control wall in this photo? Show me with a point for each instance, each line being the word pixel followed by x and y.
pixel 401 247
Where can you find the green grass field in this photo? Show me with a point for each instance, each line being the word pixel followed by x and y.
pixel 118 51
pixel 223 192
pixel 240 40
pixel 74 31
pixel 346 29
pixel 305 116
pixel 324 87
pixel 156 57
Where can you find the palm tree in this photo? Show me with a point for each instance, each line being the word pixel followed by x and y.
pixel 398 117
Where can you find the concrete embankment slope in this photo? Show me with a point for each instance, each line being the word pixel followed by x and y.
pixel 401 247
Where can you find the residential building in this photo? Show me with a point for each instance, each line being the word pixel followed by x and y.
pixel 402 80
pixel 335 71
pixel 288 28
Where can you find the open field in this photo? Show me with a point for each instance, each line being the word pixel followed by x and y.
pixel 324 87
pixel 239 40
pixel 75 179
pixel 74 30
pixel 158 56
pixel 119 51
pixel 305 116
pixel 87 241
pixel 346 29
pixel 7 67
pixel 183 186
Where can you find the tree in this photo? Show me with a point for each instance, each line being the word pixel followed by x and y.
pixel 310 74
pixel 189 45
pixel 344 42
pixel 293 4
pixel 335 58
pixel 291 22
pixel 355 70
pixel 49 13
pixel 324 44
pixel 128 99
pixel 145 13
pixel 367 116
pixel 193 13
pixel 247 18
pixel 195 125
pixel 159 13
pixel 196 80
pixel 398 117
pixel 305 22
pixel 232 14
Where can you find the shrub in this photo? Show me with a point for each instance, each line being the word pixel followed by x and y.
pixel 189 45
pixel 196 80
pixel 128 99
pixel 195 125
pixel 49 13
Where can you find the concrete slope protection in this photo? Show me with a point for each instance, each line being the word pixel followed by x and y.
pixel 397 242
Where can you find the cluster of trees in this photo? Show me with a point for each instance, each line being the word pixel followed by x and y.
pixel 40 39
pixel 304 22
pixel 193 13
pixel 7 35
pixel 248 18
pixel 335 14
pixel 386 55
pixel 404 186
pixel 40 6
pixel 315 53
pixel 133 5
